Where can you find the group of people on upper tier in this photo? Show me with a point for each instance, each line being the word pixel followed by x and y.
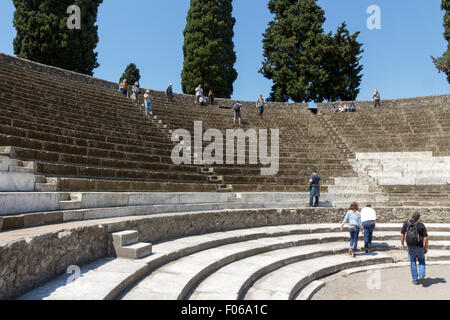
pixel 352 107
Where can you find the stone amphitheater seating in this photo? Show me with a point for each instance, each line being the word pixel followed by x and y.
pixel 86 179
pixel 268 263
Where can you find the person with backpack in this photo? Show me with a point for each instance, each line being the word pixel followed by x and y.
pixel 237 113
pixel 260 105
pixel 416 236
pixel 353 217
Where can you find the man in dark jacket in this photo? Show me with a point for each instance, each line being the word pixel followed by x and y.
pixel 314 189
pixel 169 93
pixel 416 236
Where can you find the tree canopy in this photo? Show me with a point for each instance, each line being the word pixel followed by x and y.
pixel 43 34
pixel 208 49
pixel 304 63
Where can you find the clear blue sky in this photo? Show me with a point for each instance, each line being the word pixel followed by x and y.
pixel 396 58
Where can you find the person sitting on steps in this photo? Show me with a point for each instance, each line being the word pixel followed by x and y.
pixel 123 87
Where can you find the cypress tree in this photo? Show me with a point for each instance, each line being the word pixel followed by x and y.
pixel 443 63
pixel 208 48
pixel 131 73
pixel 43 35
pixel 302 61
pixel 342 66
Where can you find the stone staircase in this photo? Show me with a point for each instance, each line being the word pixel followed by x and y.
pixel 127 245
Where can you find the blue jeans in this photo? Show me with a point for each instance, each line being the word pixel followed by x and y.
pixel 354 234
pixel 417 254
pixel 125 92
pixel 261 111
pixel 148 108
pixel 368 226
pixel 314 193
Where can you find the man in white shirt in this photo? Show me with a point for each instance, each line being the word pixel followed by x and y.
pixel 198 93
pixel 368 220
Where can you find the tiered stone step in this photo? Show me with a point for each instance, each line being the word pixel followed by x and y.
pixel 127 245
pixel 193 264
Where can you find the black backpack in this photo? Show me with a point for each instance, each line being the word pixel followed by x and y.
pixel 413 237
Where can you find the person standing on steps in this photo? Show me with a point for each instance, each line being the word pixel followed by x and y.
pixel 169 93
pixel 353 217
pixel 237 112
pixel 416 236
pixel 148 102
pixel 260 105
pixel 211 97
pixel 314 189
pixel 368 220
pixel 136 90
pixel 198 94
pixel 377 98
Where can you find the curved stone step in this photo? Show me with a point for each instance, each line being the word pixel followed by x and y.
pixel 111 287
pixel 285 282
pixel 232 280
pixel 186 272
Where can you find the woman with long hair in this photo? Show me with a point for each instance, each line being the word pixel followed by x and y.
pixel 353 218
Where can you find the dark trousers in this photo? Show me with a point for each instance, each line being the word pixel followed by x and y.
pixel 314 195
pixel 261 111
pixel 377 103
pixel 369 227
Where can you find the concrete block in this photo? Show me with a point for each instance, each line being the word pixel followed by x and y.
pixel 396 181
pixel 13 222
pixel 101 200
pixel 73 215
pixel 4 163
pixel 15 202
pixel 424 181
pixel 137 199
pixel 16 181
pixel 34 219
pixel 53 217
pixel 125 238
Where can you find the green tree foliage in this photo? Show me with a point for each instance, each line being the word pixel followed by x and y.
pixel 208 48
pixel 304 63
pixel 43 35
pixel 131 74
pixel 443 63
pixel 342 66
